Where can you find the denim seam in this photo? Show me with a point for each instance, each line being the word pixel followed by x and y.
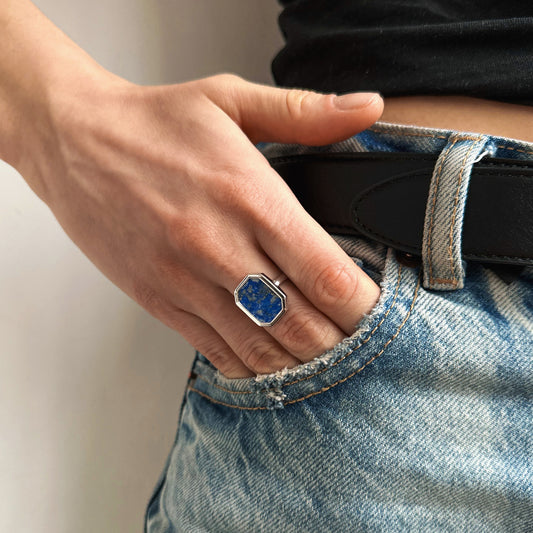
pixel 399 274
pixel 392 131
pixel 447 281
pixel 290 158
pixel 333 384
pixel 371 232
pixel 453 280
pixel 372 358
pixel 514 149
pixel 204 395
pixel 434 192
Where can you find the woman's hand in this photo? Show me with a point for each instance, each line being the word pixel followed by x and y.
pixel 164 191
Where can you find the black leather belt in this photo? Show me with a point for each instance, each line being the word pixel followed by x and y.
pixel 383 196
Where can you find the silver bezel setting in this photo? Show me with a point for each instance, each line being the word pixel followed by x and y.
pixel 273 287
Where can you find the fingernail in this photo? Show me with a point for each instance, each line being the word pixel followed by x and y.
pixel 354 100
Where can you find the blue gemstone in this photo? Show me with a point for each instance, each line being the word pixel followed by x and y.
pixel 260 300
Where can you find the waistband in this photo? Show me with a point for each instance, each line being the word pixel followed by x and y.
pixel 407 187
pixel 389 137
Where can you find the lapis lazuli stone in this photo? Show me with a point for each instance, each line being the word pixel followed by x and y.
pixel 260 300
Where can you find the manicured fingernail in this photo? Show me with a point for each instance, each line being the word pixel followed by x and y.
pixel 354 100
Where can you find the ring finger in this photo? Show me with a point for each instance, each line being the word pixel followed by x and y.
pixel 303 331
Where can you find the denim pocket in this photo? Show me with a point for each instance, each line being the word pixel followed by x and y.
pixel 346 360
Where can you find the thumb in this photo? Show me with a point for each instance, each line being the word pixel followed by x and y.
pixel 268 113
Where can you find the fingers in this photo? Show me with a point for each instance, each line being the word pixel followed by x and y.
pixel 207 341
pixel 327 294
pixel 226 204
pixel 317 265
pixel 300 335
pixel 251 343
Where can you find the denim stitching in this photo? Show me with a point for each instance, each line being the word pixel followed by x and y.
pixel 290 158
pixel 514 149
pixel 453 280
pixel 399 274
pixel 445 280
pixel 192 389
pixel 370 360
pixel 333 384
pixel 434 192
pixel 393 131
pixel 467 137
pixel 373 233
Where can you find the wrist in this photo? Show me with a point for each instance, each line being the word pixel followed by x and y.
pixel 43 76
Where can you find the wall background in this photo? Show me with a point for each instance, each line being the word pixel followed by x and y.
pixel 90 383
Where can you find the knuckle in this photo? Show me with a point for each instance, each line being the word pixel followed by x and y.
pixel 176 230
pixel 226 90
pixel 190 237
pixel 234 187
pixel 172 273
pixel 297 101
pixel 335 286
pixel 227 78
pixel 246 199
pixel 222 358
pixel 146 296
pixel 173 317
pixel 256 210
pixel 160 308
pixel 260 356
pixel 223 89
pixel 231 187
pixel 202 247
pixel 276 217
pixel 302 333
pixel 215 82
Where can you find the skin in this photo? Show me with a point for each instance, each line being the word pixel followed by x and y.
pixel 164 191
pixel 462 113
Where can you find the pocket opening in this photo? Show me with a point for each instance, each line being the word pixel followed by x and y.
pixel 351 356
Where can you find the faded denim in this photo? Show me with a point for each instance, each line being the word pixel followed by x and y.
pixel 422 420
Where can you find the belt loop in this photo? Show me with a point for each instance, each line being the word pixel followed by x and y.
pixel 441 248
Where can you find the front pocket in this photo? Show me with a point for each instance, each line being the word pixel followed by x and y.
pixel 346 360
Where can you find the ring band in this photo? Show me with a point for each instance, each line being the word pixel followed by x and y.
pixel 261 298
pixel 279 280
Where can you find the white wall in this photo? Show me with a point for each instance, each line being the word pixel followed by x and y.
pixel 90 383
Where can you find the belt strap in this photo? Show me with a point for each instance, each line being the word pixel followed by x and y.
pixel 383 196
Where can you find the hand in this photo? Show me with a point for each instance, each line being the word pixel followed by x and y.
pixel 164 191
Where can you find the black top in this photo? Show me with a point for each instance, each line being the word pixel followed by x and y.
pixel 480 48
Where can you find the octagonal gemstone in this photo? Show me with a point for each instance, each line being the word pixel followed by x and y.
pixel 260 299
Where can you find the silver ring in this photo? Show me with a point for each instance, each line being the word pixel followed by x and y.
pixel 261 298
pixel 279 280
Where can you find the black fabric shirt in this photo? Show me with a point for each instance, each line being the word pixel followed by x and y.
pixel 480 48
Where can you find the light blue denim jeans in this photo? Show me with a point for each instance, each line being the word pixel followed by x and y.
pixel 422 420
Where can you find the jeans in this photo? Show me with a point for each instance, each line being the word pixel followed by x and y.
pixel 421 420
